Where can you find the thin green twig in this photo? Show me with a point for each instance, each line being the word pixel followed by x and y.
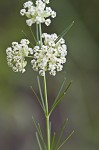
pixel 37 33
pixel 42 99
pixel 37 98
pixel 65 140
pixel 38 140
pixel 29 56
pixel 60 98
pixel 38 128
pixel 61 133
pixel 53 140
pixel 42 136
pixel 40 31
pixel 27 38
pixel 64 32
pixel 47 115
pixel 60 90
pixel 33 35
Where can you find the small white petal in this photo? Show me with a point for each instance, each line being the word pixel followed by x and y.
pixel 53 14
pixel 28 4
pixel 46 1
pixel 22 12
pixel 47 22
pixel 29 22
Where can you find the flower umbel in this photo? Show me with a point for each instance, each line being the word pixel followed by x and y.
pixel 37 13
pixel 16 55
pixel 50 56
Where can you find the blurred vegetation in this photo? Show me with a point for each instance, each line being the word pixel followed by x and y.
pixel 81 105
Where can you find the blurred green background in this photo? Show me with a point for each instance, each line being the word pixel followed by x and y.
pixel 81 104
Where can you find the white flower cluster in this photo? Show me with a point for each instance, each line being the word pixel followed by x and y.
pixel 50 53
pixel 37 13
pixel 50 56
pixel 16 55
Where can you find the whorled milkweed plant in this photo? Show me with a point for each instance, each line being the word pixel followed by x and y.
pixel 48 54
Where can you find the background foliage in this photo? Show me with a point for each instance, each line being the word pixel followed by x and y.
pixel 81 105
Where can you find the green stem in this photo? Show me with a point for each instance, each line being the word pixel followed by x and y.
pixel 45 94
pixel 29 56
pixel 47 115
pixel 40 29
pixel 48 132
pixel 37 33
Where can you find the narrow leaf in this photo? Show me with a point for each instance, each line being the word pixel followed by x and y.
pixel 27 38
pixel 33 35
pixel 60 90
pixel 40 129
pixel 42 136
pixel 64 32
pixel 60 98
pixel 37 137
pixel 53 140
pixel 42 99
pixel 37 97
pixel 36 125
pixel 61 133
pixel 65 140
pixel 39 132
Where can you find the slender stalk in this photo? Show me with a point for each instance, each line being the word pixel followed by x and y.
pixel 45 93
pixel 37 33
pixel 48 132
pixel 29 56
pixel 47 115
pixel 46 100
pixel 40 29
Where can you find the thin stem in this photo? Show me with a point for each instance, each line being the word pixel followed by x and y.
pixel 53 139
pixel 47 115
pixel 37 32
pixel 40 30
pixel 45 94
pixel 29 56
pixel 46 100
pixel 48 132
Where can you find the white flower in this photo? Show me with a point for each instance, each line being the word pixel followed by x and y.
pixel 50 56
pixel 53 14
pixel 48 22
pixel 38 19
pixel 16 55
pixel 29 22
pixel 53 72
pixel 24 42
pixel 22 12
pixel 37 13
pixel 46 1
pixel 28 4
pixel 42 73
